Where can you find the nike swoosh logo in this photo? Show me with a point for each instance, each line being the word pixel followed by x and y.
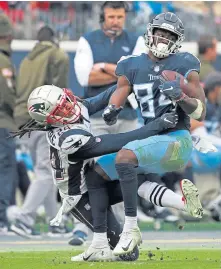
pixel 126 248
pixel 86 258
pixel 168 89
pixel 168 121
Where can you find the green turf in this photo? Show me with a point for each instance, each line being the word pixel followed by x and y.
pixel 188 226
pixel 171 259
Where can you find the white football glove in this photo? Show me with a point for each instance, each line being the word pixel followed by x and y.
pixel 203 145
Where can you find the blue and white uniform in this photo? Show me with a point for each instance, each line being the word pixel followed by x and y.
pixel 171 150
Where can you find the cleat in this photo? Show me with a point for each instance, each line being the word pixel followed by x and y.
pixel 57 231
pixel 95 255
pixel 22 229
pixel 130 257
pixel 79 238
pixel 128 241
pixel 4 229
pixel 191 196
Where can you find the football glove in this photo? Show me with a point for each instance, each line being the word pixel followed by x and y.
pixel 169 120
pixel 171 89
pixel 110 114
pixel 203 145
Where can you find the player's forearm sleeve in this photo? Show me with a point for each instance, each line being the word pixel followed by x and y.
pixel 111 143
pixel 99 101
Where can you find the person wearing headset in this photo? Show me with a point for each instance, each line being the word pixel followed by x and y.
pixel 95 62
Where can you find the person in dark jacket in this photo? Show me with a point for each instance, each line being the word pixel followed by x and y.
pixel 45 64
pixel 8 166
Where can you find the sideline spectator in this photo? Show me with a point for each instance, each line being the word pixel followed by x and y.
pixel 45 64
pixel 207 52
pixel 207 167
pixel 8 164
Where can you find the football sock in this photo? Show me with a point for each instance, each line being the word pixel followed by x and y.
pixel 130 223
pixel 99 240
pixel 128 182
pixel 160 195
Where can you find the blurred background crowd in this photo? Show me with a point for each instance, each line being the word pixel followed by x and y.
pixel 71 19
pixel 68 21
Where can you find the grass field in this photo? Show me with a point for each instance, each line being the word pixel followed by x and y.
pixel 188 226
pixel 171 259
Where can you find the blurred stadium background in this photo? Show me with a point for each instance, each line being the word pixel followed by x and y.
pixel 71 19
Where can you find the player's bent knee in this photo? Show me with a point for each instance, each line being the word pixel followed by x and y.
pixel 126 156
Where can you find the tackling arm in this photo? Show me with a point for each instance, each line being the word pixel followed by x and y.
pixel 111 143
pixel 99 101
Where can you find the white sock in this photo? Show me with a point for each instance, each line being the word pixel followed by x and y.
pixel 160 195
pixel 99 240
pixel 130 223
pixel 172 199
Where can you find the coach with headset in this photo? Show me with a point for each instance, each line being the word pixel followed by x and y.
pixel 95 62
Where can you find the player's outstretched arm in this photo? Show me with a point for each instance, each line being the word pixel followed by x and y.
pixel 110 143
pixel 100 101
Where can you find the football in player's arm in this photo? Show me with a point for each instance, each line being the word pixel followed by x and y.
pixel 193 106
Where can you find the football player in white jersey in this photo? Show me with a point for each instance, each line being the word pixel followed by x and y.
pixel 66 120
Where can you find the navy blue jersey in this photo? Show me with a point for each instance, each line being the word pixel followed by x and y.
pixel 103 50
pixel 143 75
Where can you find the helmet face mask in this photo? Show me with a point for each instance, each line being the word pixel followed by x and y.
pixel 66 111
pixel 161 46
pixel 50 105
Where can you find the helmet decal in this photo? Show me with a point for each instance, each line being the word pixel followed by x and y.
pixel 52 105
pixel 37 107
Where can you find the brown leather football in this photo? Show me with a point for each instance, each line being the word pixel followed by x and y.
pixel 170 75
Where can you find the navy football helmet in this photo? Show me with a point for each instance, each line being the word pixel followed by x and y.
pixel 166 21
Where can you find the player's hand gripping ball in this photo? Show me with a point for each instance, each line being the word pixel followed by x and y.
pixel 171 88
pixel 174 85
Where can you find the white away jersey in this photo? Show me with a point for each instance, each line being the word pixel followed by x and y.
pixel 64 142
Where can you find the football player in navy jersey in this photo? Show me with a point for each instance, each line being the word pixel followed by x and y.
pixel 171 150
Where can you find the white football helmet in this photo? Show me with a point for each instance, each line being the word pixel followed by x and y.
pixel 51 105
